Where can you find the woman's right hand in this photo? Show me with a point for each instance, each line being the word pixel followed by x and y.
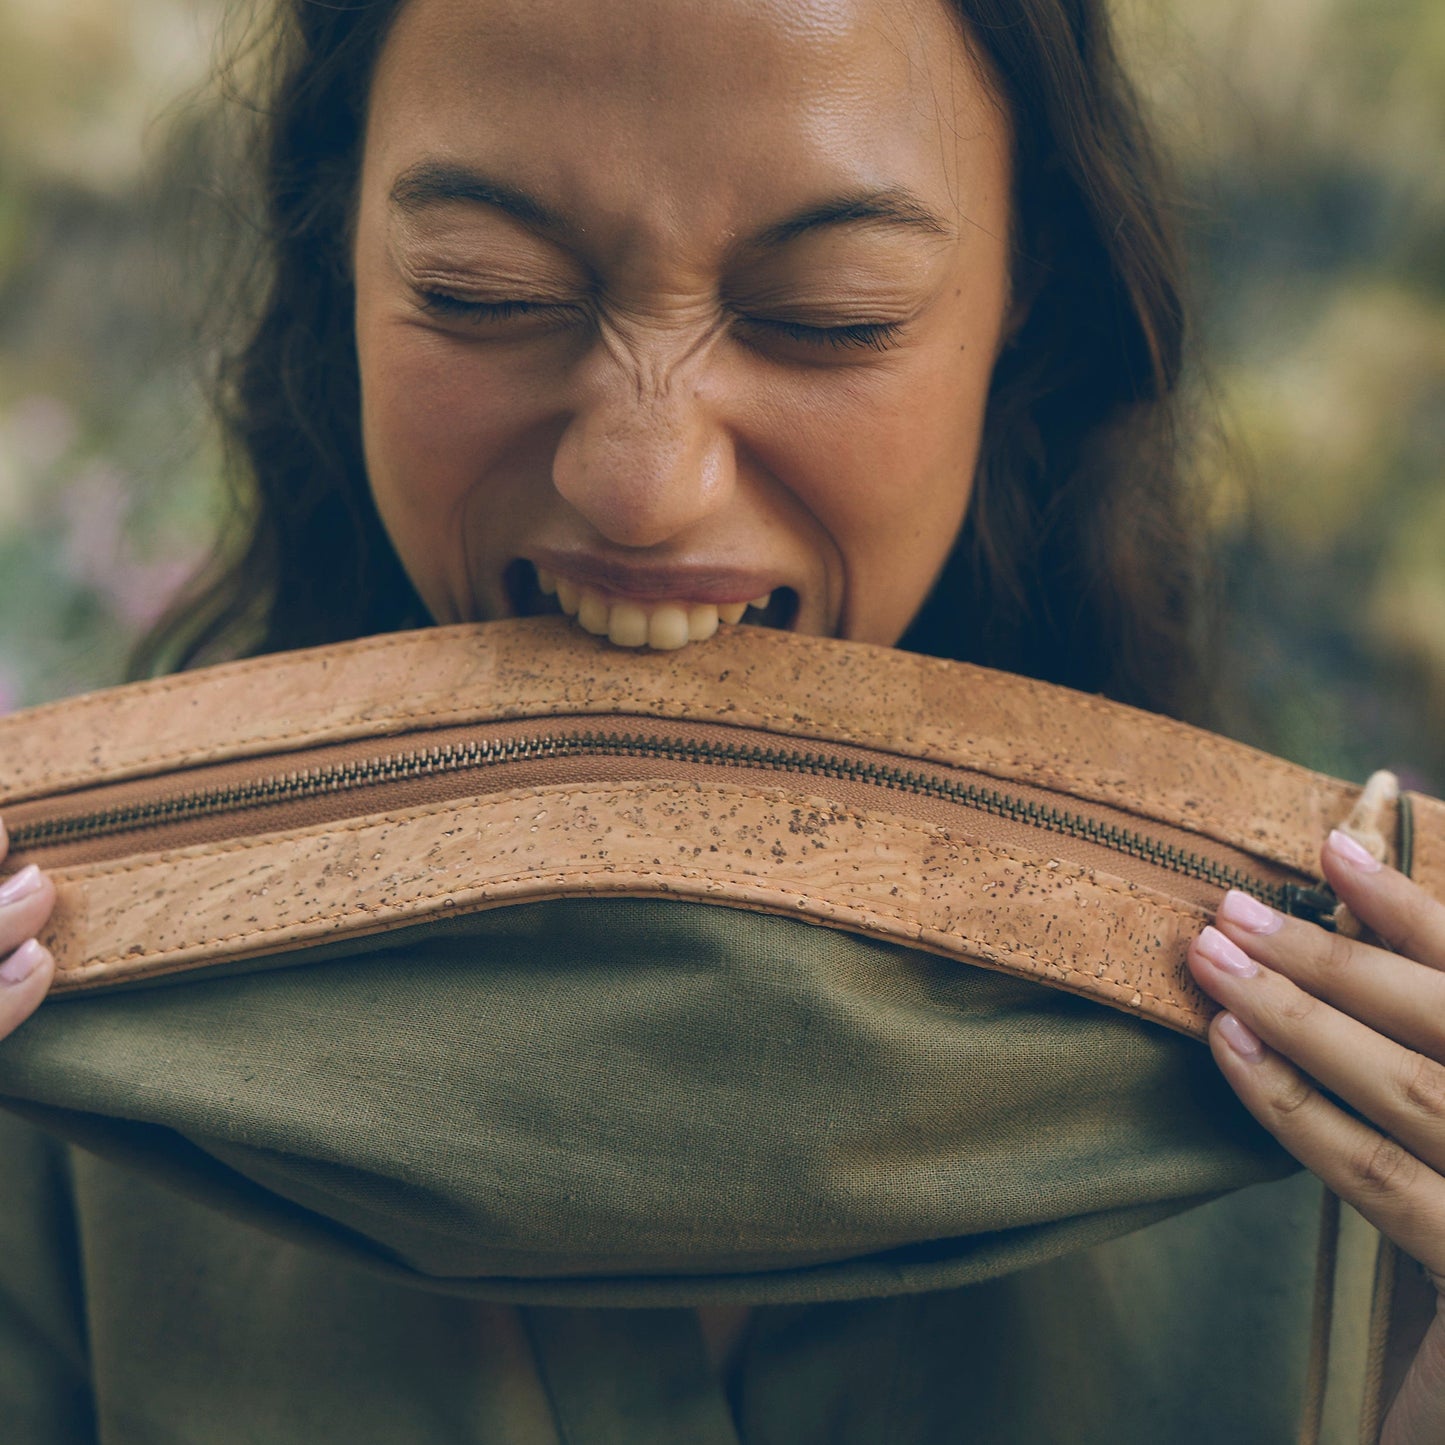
pixel 26 967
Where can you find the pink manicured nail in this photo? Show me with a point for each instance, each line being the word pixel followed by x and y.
pixel 22 885
pixel 23 962
pixel 1225 955
pixel 1240 1039
pixel 1245 911
pixel 1356 855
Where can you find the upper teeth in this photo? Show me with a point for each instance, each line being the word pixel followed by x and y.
pixel 663 625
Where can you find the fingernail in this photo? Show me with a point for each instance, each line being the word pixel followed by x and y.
pixel 1226 956
pixel 1247 912
pixel 1240 1039
pixel 1347 850
pixel 22 885
pixel 23 962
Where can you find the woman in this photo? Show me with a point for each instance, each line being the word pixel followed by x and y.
pixel 864 315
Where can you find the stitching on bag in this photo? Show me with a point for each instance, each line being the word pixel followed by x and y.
pixel 1277 834
pixel 652 790
pixel 263 666
pixel 369 647
pixel 881 910
pixel 665 791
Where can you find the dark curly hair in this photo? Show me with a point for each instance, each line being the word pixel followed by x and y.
pixel 1080 561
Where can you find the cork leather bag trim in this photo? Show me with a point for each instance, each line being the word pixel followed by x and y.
pixel 252 809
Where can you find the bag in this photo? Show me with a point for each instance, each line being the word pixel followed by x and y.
pixel 444 812
pixel 338 792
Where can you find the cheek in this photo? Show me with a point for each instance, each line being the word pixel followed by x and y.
pixel 431 411
pixel 445 430
pixel 886 467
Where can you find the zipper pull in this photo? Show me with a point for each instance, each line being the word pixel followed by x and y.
pixel 1315 904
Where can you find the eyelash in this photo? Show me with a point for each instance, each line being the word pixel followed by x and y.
pixel 873 335
pixel 870 335
pixel 441 303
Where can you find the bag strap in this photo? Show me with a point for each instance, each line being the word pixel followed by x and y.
pixel 1366 824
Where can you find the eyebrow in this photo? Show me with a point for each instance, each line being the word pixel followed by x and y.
pixel 431 183
pixel 893 207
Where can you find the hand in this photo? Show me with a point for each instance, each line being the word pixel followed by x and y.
pixel 26 967
pixel 1306 1008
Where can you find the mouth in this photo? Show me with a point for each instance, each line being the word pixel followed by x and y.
pixel 640 622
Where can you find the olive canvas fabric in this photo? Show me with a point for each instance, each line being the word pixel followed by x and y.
pixel 462 1183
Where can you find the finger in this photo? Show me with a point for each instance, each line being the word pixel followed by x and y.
pixel 1399 1090
pixel 1397 1192
pixel 1400 912
pixel 4 841
pixel 26 901
pixel 25 976
pixel 1392 994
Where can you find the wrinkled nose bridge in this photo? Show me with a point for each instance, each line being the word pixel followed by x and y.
pixel 656 368
pixel 653 372
pixel 644 455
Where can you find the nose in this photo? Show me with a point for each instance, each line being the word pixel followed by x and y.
pixel 643 458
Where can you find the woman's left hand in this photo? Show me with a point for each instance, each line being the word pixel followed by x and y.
pixel 1305 1008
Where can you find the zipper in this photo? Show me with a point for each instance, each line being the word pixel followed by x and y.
pixel 1317 904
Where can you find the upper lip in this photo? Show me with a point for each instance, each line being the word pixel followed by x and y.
pixel 654 582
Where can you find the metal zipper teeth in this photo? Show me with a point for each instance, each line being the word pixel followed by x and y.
pixel 460 757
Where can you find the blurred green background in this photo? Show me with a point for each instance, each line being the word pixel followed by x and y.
pixel 1309 134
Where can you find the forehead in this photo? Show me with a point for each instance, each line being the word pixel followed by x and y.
pixel 682 114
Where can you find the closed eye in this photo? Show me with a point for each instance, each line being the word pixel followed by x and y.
pixel 453 307
pixel 868 335
pixel 548 315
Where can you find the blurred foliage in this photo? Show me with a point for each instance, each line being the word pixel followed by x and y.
pixel 1308 136
pixel 108 480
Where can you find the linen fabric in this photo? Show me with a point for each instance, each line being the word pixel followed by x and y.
pixel 462 1183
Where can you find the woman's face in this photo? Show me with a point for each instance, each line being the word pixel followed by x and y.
pixel 673 304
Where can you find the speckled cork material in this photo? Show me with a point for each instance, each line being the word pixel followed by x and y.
pixel 750 847
pixel 750 840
